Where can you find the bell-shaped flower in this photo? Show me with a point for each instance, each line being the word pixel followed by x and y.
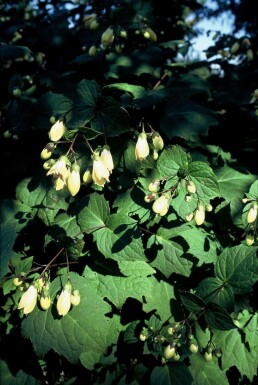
pixel 100 173
pixel 47 151
pixel 107 37
pixel 45 302
pixel 64 300
pixel 57 130
pixel 28 300
pixel 60 172
pixel 74 180
pixel 142 148
pixel 157 141
pixel 199 215
pixel 161 205
pixel 106 158
pixel 87 177
pixel 252 213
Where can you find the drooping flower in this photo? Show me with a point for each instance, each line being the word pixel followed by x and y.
pixel 252 213
pixel 100 173
pixel 57 130
pixel 47 151
pixel 199 215
pixel 87 177
pixel 45 302
pixel 60 172
pixel 28 300
pixel 106 158
pixel 74 180
pixel 157 141
pixel 142 148
pixel 64 300
pixel 161 205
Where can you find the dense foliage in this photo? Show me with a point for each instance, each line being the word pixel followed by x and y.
pixel 129 195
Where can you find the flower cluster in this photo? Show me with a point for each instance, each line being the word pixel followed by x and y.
pixel 250 218
pixel 142 147
pixel 39 290
pixel 68 175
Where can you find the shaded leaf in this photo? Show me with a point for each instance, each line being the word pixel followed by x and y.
pixel 218 318
pixel 175 373
pixel 171 160
pixel 94 212
pixel 192 302
pixel 212 289
pixel 206 373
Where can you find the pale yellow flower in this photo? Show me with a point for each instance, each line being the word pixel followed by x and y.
pixel 57 131
pixel 199 215
pixel 75 297
pixel 64 300
pixel 60 172
pixel 106 158
pixel 45 302
pixel 100 173
pixel 161 205
pixel 158 142
pixel 142 148
pixel 74 180
pixel 28 300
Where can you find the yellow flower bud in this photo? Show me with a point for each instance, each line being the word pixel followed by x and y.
pixel 92 50
pixel 154 186
pixel 142 149
pixel 74 180
pixel 190 186
pixel 64 300
pixel 87 177
pixel 252 214
pixel 57 131
pixel 107 37
pixel 155 154
pixel 47 151
pixel 89 19
pixel 45 302
pixel 169 351
pixel 189 217
pixel 48 164
pixel 249 54
pixel 75 297
pixel 28 300
pixel 17 281
pixel 161 205
pixel 150 34
pixel 249 239
pixel 235 47
pixel 157 141
pixel 199 215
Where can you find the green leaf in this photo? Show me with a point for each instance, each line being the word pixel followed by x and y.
pixel 205 180
pixel 131 89
pixel 94 212
pixel 20 378
pixel 206 373
pixel 212 289
pixel 201 244
pixel 14 217
pixel 131 202
pixel 192 302
pixel 175 373
pixel 52 104
pixel 253 191
pixel 218 318
pixel 42 197
pixel 169 254
pixel 235 352
pixel 65 224
pixel 251 334
pixel 187 120
pixel 128 159
pixel 135 268
pixel 121 239
pixel 108 118
pixel 83 334
pixel 160 289
pixel 237 267
pixel 85 98
pixel 118 289
pixel 171 160
pixel 233 184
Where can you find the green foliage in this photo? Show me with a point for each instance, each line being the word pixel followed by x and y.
pixel 129 200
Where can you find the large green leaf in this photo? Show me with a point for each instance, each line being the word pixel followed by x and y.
pixel 83 334
pixel 168 254
pixel 212 289
pixel 205 180
pixel 171 160
pixel 42 197
pixel 109 118
pixel 187 120
pixel 131 89
pixel 135 268
pixel 235 353
pixel 94 212
pixel 20 378
pixel 218 318
pixel 192 302
pixel 206 373
pixel 121 239
pixel 237 267
pixel 52 104
pixel 233 185
pixel 175 373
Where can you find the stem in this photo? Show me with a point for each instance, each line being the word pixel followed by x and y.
pixel 52 260
pixel 72 144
